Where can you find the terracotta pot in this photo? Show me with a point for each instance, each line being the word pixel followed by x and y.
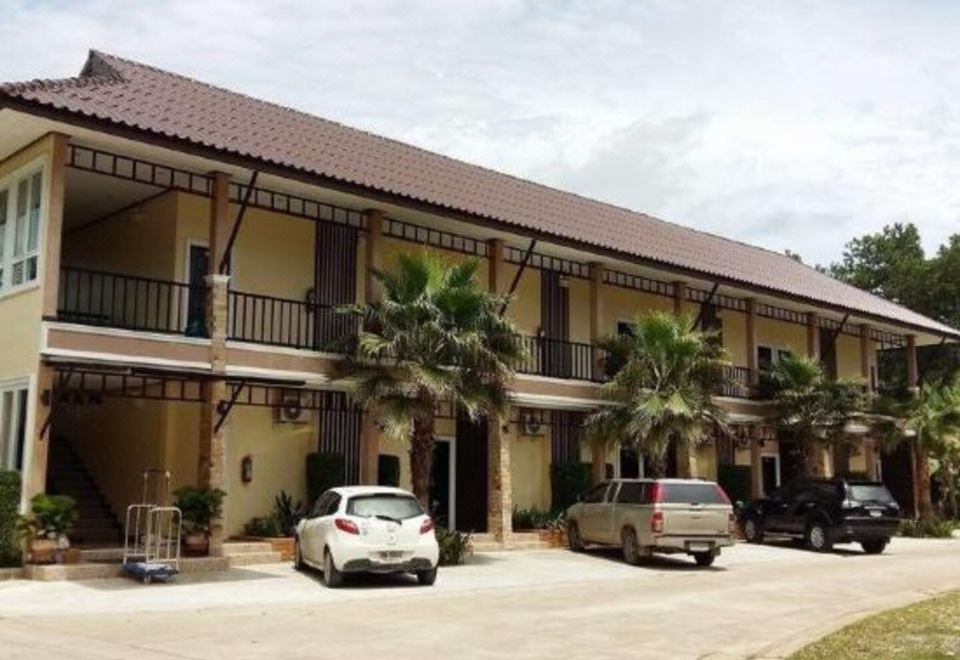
pixel 43 551
pixel 196 545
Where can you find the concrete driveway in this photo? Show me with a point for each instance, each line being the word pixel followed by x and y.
pixel 757 602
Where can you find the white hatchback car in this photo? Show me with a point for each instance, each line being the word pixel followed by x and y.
pixel 375 529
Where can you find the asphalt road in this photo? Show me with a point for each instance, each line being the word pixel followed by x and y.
pixel 756 602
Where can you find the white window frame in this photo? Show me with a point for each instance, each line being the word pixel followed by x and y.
pixel 776 352
pixel 776 459
pixel 8 423
pixel 11 184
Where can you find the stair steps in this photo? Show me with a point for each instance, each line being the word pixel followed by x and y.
pixel 516 541
pixel 249 553
pixel 66 475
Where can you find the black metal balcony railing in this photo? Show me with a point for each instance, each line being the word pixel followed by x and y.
pixel 261 319
pixel 558 358
pixel 106 299
pixel 736 383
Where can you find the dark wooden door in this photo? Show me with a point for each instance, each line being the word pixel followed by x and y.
pixel 197 297
pixel 555 358
pixel 471 476
pixel 335 282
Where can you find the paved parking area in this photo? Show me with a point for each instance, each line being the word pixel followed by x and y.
pixel 757 601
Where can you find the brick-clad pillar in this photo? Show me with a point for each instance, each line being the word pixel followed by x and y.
pixel 913 382
pixel 499 487
pixel 865 356
pixel 53 224
pixel 598 462
pixel 496 273
pixel 686 455
pixel 596 316
pixel 374 253
pixel 369 450
pixel 35 474
pixel 813 336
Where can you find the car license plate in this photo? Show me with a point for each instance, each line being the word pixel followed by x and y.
pixel 699 547
pixel 391 554
pixel 876 514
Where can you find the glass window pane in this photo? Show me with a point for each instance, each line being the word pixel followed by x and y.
pixel 4 200
pixel 20 221
pixel 21 430
pixel 33 233
pixel 6 424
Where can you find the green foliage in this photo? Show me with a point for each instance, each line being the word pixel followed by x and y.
pixel 325 470
pixel 809 407
pixel 537 518
pixel 281 521
pixel 736 481
pixel 664 376
pixel 937 529
pixel 9 503
pixel 568 481
pixel 388 470
pixel 51 516
pixel 454 546
pixel 199 506
pixel 435 335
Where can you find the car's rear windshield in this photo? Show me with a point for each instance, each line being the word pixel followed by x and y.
pixel 388 505
pixel 691 494
pixel 870 493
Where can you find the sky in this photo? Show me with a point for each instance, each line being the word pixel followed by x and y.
pixel 790 125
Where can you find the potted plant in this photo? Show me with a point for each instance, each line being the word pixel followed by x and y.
pixel 45 529
pixel 198 508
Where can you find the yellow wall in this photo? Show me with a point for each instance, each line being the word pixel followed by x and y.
pixel 530 469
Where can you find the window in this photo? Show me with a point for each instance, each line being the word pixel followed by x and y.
pixel 673 493
pixel 596 495
pixel 20 230
pixel 767 356
pixel 626 328
pixel 632 492
pixel 13 427
pixel 397 507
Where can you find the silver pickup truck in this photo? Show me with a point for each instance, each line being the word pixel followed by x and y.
pixel 645 516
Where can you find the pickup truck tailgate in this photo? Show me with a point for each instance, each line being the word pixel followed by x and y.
pixel 694 509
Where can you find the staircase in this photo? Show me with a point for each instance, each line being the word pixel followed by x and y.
pixel 516 541
pixel 66 475
pixel 247 553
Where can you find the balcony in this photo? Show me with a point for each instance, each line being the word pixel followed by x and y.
pixel 98 298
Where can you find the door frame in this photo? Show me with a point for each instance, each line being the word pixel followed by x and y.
pixel 451 479
pixel 776 457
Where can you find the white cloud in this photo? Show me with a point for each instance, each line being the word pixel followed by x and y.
pixel 793 125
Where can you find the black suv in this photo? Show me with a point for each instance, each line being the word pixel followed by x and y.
pixel 824 512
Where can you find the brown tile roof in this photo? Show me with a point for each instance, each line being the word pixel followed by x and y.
pixel 125 93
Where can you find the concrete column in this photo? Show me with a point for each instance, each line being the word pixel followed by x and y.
pixel 913 383
pixel 496 271
pixel 756 465
pixel 870 452
pixel 596 315
pixel 53 228
pixel 679 296
pixel 813 336
pixel 369 450
pixel 499 487
pixel 374 256
pixel 865 356
pixel 751 341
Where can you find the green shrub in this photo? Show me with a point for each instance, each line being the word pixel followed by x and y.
pixel 388 470
pixel 568 482
pixel 935 529
pixel 454 546
pixel 325 470
pixel 9 503
pixel 50 516
pixel 264 526
pixel 536 518
pixel 198 507
pixel 287 513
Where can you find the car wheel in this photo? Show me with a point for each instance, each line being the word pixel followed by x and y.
pixel 631 547
pixel 752 531
pixel 332 577
pixel 427 578
pixel 704 558
pixel 818 538
pixel 297 556
pixel 873 547
pixel 574 540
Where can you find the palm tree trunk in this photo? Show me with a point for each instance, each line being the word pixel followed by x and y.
pixel 686 460
pixel 421 458
pixel 922 483
pixel 811 458
pixel 658 464
pixel 952 488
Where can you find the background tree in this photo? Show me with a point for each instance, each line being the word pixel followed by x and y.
pixel 663 377
pixel 435 336
pixel 810 408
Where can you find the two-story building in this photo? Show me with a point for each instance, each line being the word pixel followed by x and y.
pixel 172 254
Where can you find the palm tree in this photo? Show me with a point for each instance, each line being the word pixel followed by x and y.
pixel 663 376
pixel 435 338
pixel 932 422
pixel 811 408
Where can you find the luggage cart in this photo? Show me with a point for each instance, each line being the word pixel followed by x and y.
pixel 151 540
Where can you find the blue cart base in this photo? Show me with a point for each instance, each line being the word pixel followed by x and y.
pixel 148 572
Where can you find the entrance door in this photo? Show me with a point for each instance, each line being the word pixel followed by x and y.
pixel 197 298
pixel 770 468
pixel 555 356
pixel 442 501
pixel 471 476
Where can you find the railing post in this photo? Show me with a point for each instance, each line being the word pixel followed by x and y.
pixel 751 347
pixel 596 319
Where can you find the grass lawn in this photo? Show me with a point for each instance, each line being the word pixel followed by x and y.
pixel 928 630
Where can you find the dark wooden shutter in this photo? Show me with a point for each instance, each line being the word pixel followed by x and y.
pixel 335 281
pixel 555 358
pixel 566 429
pixel 340 433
